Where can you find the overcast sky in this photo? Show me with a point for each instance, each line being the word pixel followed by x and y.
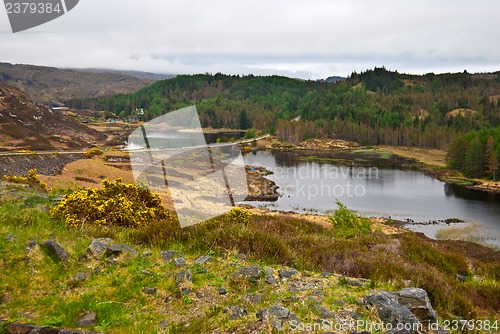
pixel 307 39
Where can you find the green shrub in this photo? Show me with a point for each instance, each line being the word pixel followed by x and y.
pixel 115 204
pixel 250 133
pixel 346 224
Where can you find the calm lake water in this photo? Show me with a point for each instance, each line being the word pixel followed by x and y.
pixel 399 194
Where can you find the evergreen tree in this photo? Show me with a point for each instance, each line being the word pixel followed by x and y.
pixel 243 119
pixel 474 159
pixel 492 157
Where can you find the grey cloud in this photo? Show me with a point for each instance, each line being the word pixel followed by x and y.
pixel 308 39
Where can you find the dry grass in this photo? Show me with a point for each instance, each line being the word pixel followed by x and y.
pixel 473 232
pixel 432 157
pixel 461 112
pixel 87 173
pixel 282 239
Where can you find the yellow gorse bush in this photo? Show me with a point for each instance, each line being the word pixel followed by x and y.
pixel 31 179
pixel 115 203
pixel 239 215
pixel 93 152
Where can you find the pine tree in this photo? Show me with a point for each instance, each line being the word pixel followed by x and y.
pixel 492 157
pixel 474 159
pixel 244 122
pixel 493 165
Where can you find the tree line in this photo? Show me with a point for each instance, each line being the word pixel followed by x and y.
pixel 476 153
pixel 372 107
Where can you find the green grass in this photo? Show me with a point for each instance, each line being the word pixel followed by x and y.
pixel 373 151
pixel 463 182
pixel 323 160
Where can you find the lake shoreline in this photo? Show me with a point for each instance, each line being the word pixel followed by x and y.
pixel 356 158
pixel 430 161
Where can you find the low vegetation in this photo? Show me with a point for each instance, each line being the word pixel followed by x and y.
pixel 31 179
pixel 346 224
pixel 34 288
pixel 473 232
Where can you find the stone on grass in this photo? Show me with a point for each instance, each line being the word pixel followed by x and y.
pixel 10 237
pixel 48 330
pixel 278 311
pixel 269 276
pixel 21 328
pixel 326 274
pixel 235 312
pixel 417 301
pixel 253 298
pixel 146 254
pixel 323 312
pixel 169 255
pixel 202 260
pixel 117 249
pixel 287 273
pixel 71 331
pixel 179 262
pixel 183 276
pixel 81 277
pixel 276 315
pixel 30 245
pixel 56 250
pixel 389 310
pixel 149 291
pixel 99 246
pixel 87 320
pixel 251 274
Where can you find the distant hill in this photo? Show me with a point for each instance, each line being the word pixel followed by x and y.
pixel 334 79
pixel 135 74
pixel 52 86
pixel 25 124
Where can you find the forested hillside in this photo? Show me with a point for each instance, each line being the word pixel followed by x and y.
pixel 373 107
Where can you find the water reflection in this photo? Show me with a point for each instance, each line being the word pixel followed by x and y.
pixel 388 192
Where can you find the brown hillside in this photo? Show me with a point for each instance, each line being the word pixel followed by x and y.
pixel 27 125
pixel 52 86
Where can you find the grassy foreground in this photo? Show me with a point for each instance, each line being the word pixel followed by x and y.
pixel 36 289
